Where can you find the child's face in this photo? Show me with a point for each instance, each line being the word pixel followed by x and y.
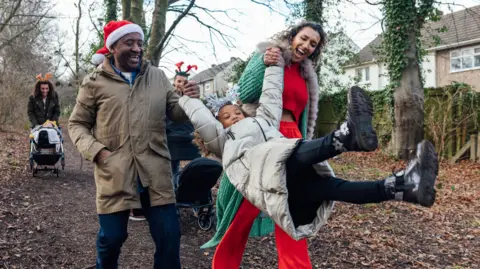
pixel 229 115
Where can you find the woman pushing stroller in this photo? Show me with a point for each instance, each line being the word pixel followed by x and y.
pixel 281 176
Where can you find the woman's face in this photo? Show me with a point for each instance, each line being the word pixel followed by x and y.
pixel 304 44
pixel 44 90
pixel 229 115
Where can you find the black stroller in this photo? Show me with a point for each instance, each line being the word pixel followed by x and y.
pixel 46 150
pixel 194 189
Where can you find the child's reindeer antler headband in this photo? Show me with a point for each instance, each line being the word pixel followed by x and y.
pixel 215 103
pixel 185 73
pixel 47 77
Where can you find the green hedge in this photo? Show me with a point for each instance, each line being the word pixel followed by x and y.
pixel 451 114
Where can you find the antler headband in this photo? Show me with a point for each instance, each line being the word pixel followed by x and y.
pixel 215 103
pixel 184 73
pixel 47 77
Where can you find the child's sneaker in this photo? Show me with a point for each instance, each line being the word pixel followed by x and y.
pixel 136 215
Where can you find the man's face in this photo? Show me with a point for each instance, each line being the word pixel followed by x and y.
pixel 179 82
pixel 127 51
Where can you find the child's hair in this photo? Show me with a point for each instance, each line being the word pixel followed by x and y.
pixel 245 114
pixel 215 103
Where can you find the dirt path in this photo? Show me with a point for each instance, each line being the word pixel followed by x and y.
pixel 49 222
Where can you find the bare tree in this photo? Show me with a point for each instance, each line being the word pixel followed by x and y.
pixel 24 34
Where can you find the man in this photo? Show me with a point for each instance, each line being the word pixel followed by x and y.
pixel 179 135
pixel 119 123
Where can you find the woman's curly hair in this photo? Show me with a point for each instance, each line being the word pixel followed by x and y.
pixel 292 31
pixel 51 89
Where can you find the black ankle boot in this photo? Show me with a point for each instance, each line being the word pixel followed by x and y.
pixel 357 134
pixel 416 183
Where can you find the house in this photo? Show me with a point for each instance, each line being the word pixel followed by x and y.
pixel 215 79
pixel 339 50
pixel 453 54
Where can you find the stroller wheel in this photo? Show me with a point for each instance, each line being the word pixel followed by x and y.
pixel 205 221
pixel 63 163
pixel 31 164
pixel 57 171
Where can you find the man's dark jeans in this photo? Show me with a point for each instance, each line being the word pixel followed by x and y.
pixel 164 228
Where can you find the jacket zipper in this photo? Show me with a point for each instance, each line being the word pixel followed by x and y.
pixel 261 129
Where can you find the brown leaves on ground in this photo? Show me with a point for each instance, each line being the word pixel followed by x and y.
pixel 47 222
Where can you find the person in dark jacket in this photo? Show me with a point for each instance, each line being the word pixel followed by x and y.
pixel 44 103
pixel 180 135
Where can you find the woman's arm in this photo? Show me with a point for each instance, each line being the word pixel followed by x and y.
pixel 250 82
pixel 211 131
pixel 31 111
pixel 56 108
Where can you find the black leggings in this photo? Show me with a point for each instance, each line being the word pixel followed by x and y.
pixel 307 190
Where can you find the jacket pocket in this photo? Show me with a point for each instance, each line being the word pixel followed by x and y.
pixel 110 175
pixel 160 170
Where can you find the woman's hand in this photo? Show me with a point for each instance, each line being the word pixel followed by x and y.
pixel 273 56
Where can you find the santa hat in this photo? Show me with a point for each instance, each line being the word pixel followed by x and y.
pixel 99 56
pixel 113 31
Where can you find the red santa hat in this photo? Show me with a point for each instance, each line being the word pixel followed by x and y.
pixel 113 31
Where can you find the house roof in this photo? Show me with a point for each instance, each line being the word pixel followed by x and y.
pixel 463 25
pixel 211 72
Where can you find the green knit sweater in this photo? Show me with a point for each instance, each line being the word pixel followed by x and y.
pixel 229 199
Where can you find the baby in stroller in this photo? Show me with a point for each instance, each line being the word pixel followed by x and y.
pixel 46 148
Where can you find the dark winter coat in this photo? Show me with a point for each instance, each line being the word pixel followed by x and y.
pixel 39 113
pixel 179 138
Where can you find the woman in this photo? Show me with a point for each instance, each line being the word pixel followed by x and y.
pixel 300 47
pixel 43 104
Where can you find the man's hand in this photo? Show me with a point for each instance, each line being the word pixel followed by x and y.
pixel 273 56
pixel 191 89
pixel 101 156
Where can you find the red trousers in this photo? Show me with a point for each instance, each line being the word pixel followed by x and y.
pixel 292 254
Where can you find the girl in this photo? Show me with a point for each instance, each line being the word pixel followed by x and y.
pixel 280 176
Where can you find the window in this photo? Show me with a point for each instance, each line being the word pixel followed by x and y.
pixel 358 73
pixel 465 59
pixel 363 74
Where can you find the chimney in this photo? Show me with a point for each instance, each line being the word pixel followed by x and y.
pixel 233 59
pixel 213 65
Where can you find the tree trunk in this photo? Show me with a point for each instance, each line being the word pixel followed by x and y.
pixel 137 13
pixel 77 46
pixel 409 100
pixel 158 31
pixel 126 9
pixel 111 13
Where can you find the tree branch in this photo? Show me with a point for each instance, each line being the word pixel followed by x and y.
pixel 12 14
pixel 174 24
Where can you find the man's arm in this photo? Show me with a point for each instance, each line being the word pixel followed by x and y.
pixel 82 121
pixel 173 111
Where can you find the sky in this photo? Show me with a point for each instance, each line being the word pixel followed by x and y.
pixel 254 23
